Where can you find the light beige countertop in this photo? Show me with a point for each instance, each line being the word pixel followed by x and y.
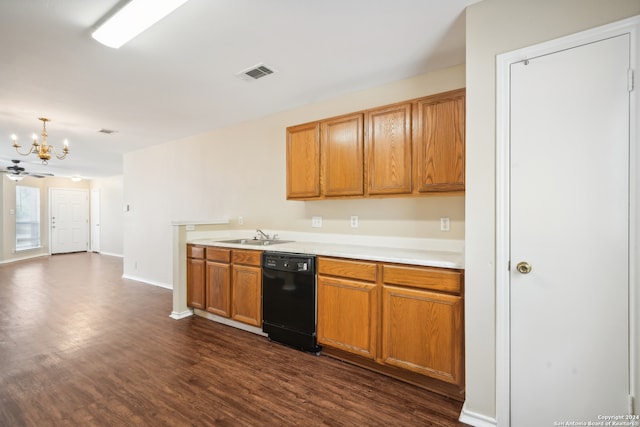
pixel 409 255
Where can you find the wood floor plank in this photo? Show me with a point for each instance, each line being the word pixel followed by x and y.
pixel 80 346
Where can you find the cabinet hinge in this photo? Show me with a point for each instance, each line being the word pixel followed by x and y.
pixel 630 408
pixel 509 265
pixel 630 80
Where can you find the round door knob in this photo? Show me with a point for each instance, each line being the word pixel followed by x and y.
pixel 523 267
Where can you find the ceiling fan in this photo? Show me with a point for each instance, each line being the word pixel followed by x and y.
pixel 17 172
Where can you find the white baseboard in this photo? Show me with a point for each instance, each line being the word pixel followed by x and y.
pixel 147 281
pixel 475 419
pixel 22 258
pixel 229 322
pixel 181 314
pixel 110 254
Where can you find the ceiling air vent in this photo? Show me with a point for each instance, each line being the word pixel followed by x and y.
pixel 256 72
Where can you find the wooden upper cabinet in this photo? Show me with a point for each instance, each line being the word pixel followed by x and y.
pixel 439 142
pixel 388 146
pixel 343 155
pixel 303 161
pixel 411 148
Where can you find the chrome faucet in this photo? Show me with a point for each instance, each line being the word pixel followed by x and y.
pixel 263 235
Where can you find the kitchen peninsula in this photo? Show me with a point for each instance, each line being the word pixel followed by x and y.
pixel 388 304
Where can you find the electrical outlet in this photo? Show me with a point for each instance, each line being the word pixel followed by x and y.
pixel 445 224
pixel 240 220
pixel 316 221
pixel 354 221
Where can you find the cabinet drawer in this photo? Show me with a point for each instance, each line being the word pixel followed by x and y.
pixel 423 277
pixel 195 251
pixel 218 254
pixel 247 257
pixel 347 268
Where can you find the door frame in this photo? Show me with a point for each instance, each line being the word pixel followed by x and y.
pixel 94 220
pixel 629 26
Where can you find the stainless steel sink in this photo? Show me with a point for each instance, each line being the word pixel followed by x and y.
pixel 256 242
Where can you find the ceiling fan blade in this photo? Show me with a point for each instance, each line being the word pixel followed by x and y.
pixel 38 174
pixel 17 170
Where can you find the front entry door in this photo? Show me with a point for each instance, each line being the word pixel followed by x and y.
pixel 569 219
pixel 69 220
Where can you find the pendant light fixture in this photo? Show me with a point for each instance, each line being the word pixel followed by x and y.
pixel 42 149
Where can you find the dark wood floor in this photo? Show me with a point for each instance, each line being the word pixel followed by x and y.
pixel 80 346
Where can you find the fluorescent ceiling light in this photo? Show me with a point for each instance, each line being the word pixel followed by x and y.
pixel 135 17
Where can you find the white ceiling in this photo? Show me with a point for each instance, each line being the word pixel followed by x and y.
pixel 177 79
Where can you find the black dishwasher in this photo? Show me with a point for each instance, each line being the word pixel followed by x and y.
pixel 289 299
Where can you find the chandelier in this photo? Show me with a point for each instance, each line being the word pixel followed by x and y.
pixel 42 150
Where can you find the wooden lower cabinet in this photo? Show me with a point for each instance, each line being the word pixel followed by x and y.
pixel 218 288
pixel 195 276
pixel 246 287
pixel 347 305
pixel 225 282
pixel 247 295
pixel 347 315
pixel 403 320
pixel 422 332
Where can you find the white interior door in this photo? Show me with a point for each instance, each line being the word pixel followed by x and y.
pixel 69 220
pixel 95 220
pixel 569 219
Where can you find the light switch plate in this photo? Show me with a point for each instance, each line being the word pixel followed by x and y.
pixel 316 221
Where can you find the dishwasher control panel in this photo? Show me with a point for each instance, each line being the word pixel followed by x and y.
pixel 289 262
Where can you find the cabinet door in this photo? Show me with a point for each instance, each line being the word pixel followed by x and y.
pixel 246 304
pixel 195 283
pixel 422 332
pixel 303 161
pixel 389 150
pixel 218 288
pixel 343 155
pixel 440 136
pixel 347 315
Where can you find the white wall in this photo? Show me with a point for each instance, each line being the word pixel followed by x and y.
pixel 111 214
pixel 493 27
pixel 240 171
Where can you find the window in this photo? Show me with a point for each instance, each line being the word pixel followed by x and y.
pixel 27 218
